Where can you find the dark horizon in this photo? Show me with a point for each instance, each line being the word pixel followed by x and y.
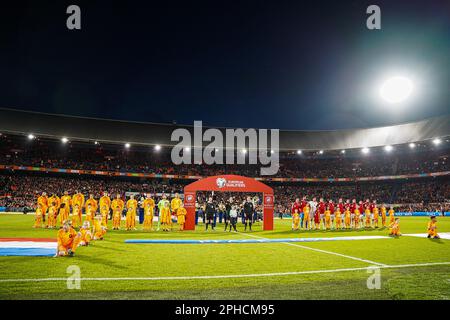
pixel 286 65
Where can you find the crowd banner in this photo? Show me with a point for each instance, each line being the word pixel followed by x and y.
pixel 188 177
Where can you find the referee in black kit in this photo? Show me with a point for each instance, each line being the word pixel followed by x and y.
pixel 249 209
pixel 210 210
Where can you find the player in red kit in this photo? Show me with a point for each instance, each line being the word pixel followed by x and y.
pixel 296 207
pixel 321 211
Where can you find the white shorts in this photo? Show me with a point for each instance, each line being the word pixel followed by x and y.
pixel 322 216
pixel 332 217
pixel 352 216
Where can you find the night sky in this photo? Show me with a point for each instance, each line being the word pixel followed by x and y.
pixel 274 64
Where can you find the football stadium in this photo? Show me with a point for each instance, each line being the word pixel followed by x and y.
pixel 245 152
pixel 316 229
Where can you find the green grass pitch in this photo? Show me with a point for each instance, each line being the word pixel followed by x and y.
pixel 336 270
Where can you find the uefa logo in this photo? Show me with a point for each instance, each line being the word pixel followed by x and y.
pixel 189 198
pixel 221 182
pixel 268 199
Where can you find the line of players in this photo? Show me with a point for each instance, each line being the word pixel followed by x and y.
pixel 313 215
pixel 70 208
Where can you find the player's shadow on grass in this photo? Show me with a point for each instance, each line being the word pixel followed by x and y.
pixel 438 241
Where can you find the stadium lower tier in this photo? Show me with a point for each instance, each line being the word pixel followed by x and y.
pixel 20 190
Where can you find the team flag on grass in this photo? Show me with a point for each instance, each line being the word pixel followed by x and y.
pixel 27 247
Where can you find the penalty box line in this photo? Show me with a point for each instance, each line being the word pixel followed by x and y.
pixel 322 251
pixel 256 275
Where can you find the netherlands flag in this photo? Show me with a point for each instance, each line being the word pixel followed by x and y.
pixel 30 247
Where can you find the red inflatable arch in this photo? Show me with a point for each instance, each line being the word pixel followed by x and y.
pixel 228 183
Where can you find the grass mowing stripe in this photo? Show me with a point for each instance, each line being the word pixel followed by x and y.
pixel 322 251
pixel 277 274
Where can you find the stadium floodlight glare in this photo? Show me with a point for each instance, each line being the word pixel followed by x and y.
pixel 342 151
pixel 217 150
pixel 272 152
pixel 321 152
pixel 244 151
pixel 396 89
pixel 412 145
pixel 299 151
pixel 157 147
pixel 127 146
pixel 365 150
pixel 437 141
pixel 96 142
pixel 388 148
pixel 31 137
pixel 187 149
pixel 64 140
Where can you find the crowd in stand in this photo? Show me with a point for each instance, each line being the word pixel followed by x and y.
pixel 18 151
pixel 21 190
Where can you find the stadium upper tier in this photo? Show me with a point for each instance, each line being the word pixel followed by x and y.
pixel 141 133
pixel 44 154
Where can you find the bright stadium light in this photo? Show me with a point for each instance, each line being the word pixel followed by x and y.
pixel 187 149
pixel 388 148
pixel 244 151
pixel 31 137
pixel 157 147
pixel 321 152
pixel 127 146
pixel 412 145
pixel 396 89
pixel 96 143
pixel 365 150
pixel 437 141
pixel 64 140
pixel 217 150
pixel 272 152
pixel 343 151
pixel 299 151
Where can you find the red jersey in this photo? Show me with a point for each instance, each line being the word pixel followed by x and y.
pixel 352 207
pixel 371 207
pixel 331 207
pixel 296 206
pixel 303 204
pixel 321 207
pixel 341 207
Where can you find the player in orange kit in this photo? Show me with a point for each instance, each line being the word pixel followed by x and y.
pixel 43 202
pixel 295 220
pixel 395 228
pixel 432 229
pixel 117 217
pixel 383 216
pixel 105 200
pixel 166 219
pixel 63 214
pixel 181 216
pixel 55 201
pixel 68 241
pixel 90 213
pixel 357 217
pixel 306 217
pixel 38 218
pixel 148 214
pixel 99 230
pixel 338 219
pixel 347 218
pixel 85 234
pixel 52 216
pixel 131 214
pixel 74 216
pixel 78 200
pixel 104 211
pixel 327 219
pixel 93 203
pixel 391 215
pixel 67 201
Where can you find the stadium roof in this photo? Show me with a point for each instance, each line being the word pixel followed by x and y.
pixel 143 133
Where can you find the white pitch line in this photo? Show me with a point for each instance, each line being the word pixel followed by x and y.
pixel 322 251
pixel 255 275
